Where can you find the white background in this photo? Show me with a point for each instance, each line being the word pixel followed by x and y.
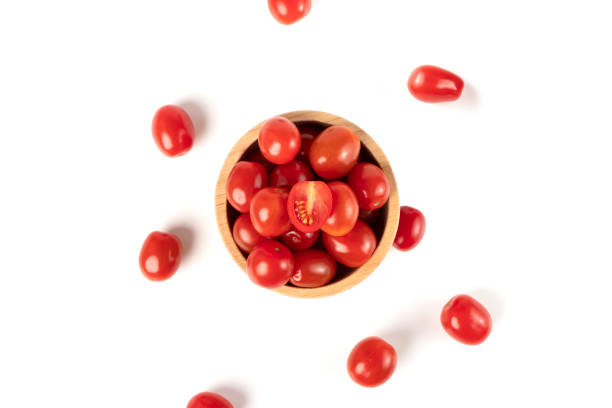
pixel 514 180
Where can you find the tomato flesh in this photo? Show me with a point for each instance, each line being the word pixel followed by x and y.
pixel 286 175
pixel 244 181
pixel 372 362
pixel 429 83
pixel 160 256
pixel 309 205
pixel 289 11
pixel 466 320
pixel 245 235
pixel 345 210
pixel 297 240
pixel 270 264
pixel 334 152
pixel 279 140
pixel 353 249
pixel 268 212
pixel 313 268
pixel 410 230
pixel 209 400
pixel 173 130
pixel 370 185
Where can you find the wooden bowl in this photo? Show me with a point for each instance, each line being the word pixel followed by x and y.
pixel 385 227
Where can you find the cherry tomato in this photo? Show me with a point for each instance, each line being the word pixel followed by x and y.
pixel 372 362
pixel 410 229
pixel 245 235
pixel 313 268
pixel 279 140
pixel 371 217
pixel 269 212
pixel 209 400
pixel 286 175
pixel 270 264
pixel 345 210
pixel 160 256
pixel 466 320
pixel 297 240
pixel 308 132
pixel 243 182
pixel 289 11
pixel 353 249
pixel 309 205
pixel 432 84
pixel 370 185
pixel 257 157
pixel 334 152
pixel 172 130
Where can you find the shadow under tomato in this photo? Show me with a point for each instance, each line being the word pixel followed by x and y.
pixel 198 115
pixel 186 233
pixel 233 394
pixel 490 300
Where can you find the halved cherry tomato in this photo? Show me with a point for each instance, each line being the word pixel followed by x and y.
pixel 289 11
pixel 372 362
pixel 173 130
pixel 297 240
pixel 209 400
pixel 245 179
pixel 345 210
pixel 428 83
pixel 245 235
pixel 269 212
pixel 279 140
pixel 308 132
pixel 334 152
pixel 256 156
pixel 410 230
pixel 353 249
pixel 270 264
pixel 370 185
pixel 466 320
pixel 313 268
pixel 309 205
pixel 286 175
pixel 160 256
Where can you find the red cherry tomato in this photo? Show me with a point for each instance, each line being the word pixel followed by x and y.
pixel 245 235
pixel 289 11
pixel 466 320
pixel 370 217
pixel 353 249
pixel 279 140
pixel 432 84
pixel 257 157
pixel 345 210
pixel 172 130
pixel 370 185
pixel 308 132
pixel 269 212
pixel 160 256
pixel 410 229
pixel 297 240
pixel 286 175
pixel 270 264
pixel 209 400
pixel 313 268
pixel 334 152
pixel 243 182
pixel 372 362
pixel 309 205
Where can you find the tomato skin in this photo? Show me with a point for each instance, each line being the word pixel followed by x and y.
pixel 209 400
pixel 372 362
pixel 243 182
pixel 334 152
pixel 313 268
pixel 308 132
pixel 279 140
pixel 309 205
pixel 297 240
pixel 245 235
pixel 410 230
pixel 269 212
pixel 270 264
pixel 257 157
pixel 466 320
pixel 172 130
pixel 289 11
pixel 160 256
pixel 286 175
pixel 345 210
pixel 353 249
pixel 370 185
pixel 432 84
pixel 371 217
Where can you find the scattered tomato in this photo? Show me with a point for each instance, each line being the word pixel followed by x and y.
pixel 345 210
pixel 313 268
pixel 269 211
pixel 243 182
pixel 209 400
pixel 372 362
pixel 279 140
pixel 245 235
pixel 370 185
pixel 289 11
pixel 160 256
pixel 297 240
pixel 410 230
pixel 308 132
pixel 428 83
pixel 173 130
pixel 286 175
pixel 466 320
pixel 334 152
pixel 309 205
pixel 270 264
pixel 353 249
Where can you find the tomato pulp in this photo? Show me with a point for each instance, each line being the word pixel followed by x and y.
pixel 309 205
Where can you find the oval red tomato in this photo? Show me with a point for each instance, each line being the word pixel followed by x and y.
pixel 313 268
pixel 353 249
pixel 466 320
pixel 243 182
pixel 410 230
pixel 160 256
pixel 279 140
pixel 286 175
pixel 209 400
pixel 173 130
pixel 334 152
pixel 297 240
pixel 308 133
pixel 372 362
pixel 245 235
pixel 345 210
pixel 269 212
pixel 309 205
pixel 370 185
pixel 428 83
pixel 270 264
pixel 289 11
